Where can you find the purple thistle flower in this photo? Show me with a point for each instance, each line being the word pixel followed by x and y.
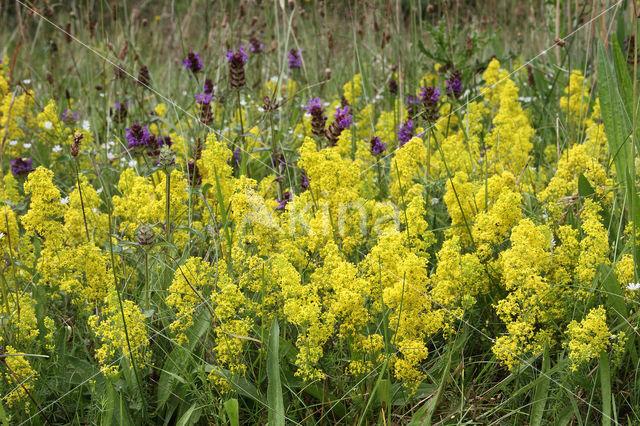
pixel 137 136
pixel 454 84
pixel 240 57
pixel 295 60
pixel 192 62
pixel 21 167
pixel 377 146
pixel 286 198
pixel 255 45
pixel 405 132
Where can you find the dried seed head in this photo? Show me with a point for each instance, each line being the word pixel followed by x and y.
pixel 75 146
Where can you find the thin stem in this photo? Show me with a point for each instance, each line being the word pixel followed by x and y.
pixel 84 215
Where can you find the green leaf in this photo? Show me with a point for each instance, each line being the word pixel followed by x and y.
pixel 190 417
pixel 542 390
pixel 231 408
pixel 584 187
pixel 274 388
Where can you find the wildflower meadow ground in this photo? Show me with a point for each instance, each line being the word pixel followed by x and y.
pixel 315 212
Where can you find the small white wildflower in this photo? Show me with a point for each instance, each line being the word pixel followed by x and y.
pixel 48 125
pixel 27 81
pixel 13 142
pixel 86 125
pixel 56 148
pixel 26 145
pixel 260 109
pixel 545 216
pixel 274 79
pixel 184 92
pixel 434 201
pixel 102 95
pixel 633 286
pixel 132 163
pixel 64 200
pixel 243 102
pixel 525 98
pixel 2 235
pixel 99 190
pixel 95 210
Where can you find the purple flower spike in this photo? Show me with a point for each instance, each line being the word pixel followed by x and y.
pixel 405 132
pixel 304 180
pixel 314 105
pixel 454 84
pixel 430 97
pixel 236 67
pixel 295 60
pixel 343 118
pixel 208 87
pixel 318 119
pixel 137 136
pixel 255 45
pixel 240 57
pixel 21 167
pixel 204 98
pixel 192 62
pixel 377 146
pixel 69 117
pixel 286 198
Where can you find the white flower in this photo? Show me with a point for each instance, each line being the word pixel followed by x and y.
pixel 48 125
pixel 26 145
pixel 633 286
pixel 86 125
pixel 64 200
pixel 132 163
pixel 56 148
pixel 13 142
pixel 1 235
pixel 99 190
pixel 27 81
pixel 434 201
pixel 102 95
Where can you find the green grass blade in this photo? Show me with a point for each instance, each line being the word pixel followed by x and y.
pixel 274 388
pixel 616 125
pixel 605 386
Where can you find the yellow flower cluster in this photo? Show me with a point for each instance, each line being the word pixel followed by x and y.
pixel 117 344
pixel 590 337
